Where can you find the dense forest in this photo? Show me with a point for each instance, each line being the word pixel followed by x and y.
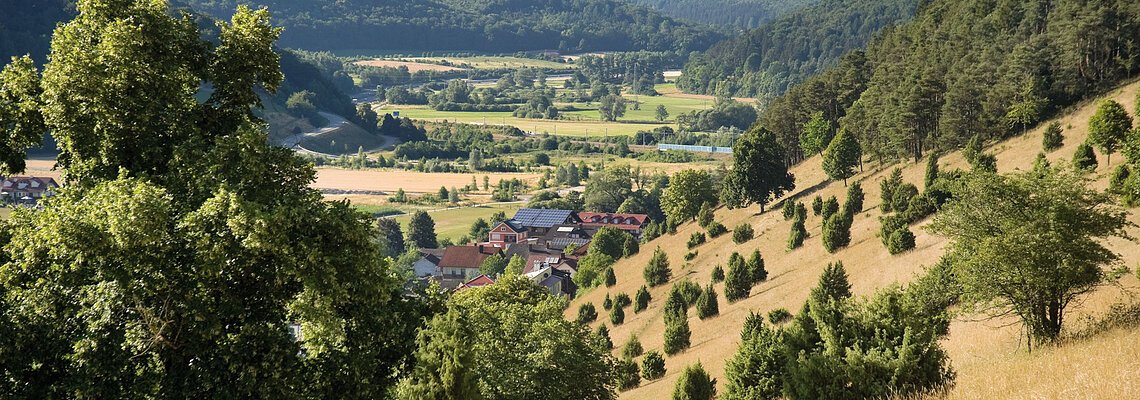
pixel 962 69
pixel 733 14
pixel 473 25
pixel 26 26
pixel 764 62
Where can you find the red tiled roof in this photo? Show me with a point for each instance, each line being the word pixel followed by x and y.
pixel 27 184
pixel 471 256
pixel 478 281
pixel 620 221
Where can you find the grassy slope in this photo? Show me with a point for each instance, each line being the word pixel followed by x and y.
pixel 455 223
pixel 981 351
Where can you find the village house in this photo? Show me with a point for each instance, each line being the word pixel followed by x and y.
pixel 461 263
pixel 634 224
pixel 26 190
pixel 428 264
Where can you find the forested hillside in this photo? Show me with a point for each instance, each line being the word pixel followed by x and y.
pixel 764 62
pixel 966 68
pixel 472 25
pixel 26 26
pixel 735 14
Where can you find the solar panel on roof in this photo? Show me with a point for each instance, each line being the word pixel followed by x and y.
pixel 541 218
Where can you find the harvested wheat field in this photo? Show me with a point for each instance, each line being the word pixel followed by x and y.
pixel 42 167
pixel 412 66
pixel 389 180
pixel 990 360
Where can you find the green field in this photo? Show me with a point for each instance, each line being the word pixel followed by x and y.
pixel 584 122
pixel 455 223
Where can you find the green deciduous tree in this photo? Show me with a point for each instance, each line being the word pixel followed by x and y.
pixel 817 134
pixel 1029 244
pixel 421 230
pixel 688 191
pixel 657 270
pixel 513 344
pixel 611 107
pixel 1108 127
pixel 759 171
pixel 21 119
pixel 661 114
pixel 842 156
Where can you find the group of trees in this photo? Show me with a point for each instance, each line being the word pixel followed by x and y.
pixel 1011 65
pixel 483 25
pixel 743 275
pixel 734 14
pixel 725 113
pixel 768 60
pixel 842 347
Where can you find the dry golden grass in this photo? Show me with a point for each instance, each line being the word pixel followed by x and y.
pixel 40 167
pixel 413 67
pixel 984 353
pixel 411 181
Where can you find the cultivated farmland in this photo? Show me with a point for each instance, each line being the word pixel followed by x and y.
pixel 389 180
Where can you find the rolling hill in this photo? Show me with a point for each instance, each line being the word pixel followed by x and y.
pixel 985 353
pixel 765 61
pixel 472 25
pixel 733 14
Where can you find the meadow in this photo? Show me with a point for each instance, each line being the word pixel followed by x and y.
pixel 455 223
pixel 495 62
pixel 585 121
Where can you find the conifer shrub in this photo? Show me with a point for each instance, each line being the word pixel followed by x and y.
pixel 587 313
pixel 817 205
pixel 603 333
pixel 705 215
pixel 789 209
pixel 652 365
pixel 738 282
pixel 707 305
pixel 617 316
pixel 1084 159
pixel 632 348
pixel 677 333
pixel 621 300
pixel 900 240
pixel 611 279
pixel 855 198
pixel 797 236
pixel 689 256
pixel 836 232
pixel 696 239
pixel 756 269
pixel 902 196
pixel 608 303
pixel 716 229
pixel 779 316
pixel 657 270
pixel 689 290
pixel 641 299
pixel 694 384
pixel 887 188
pixel 1053 138
pixel 743 233
pixel 627 374
pixel 830 207
pixel 717 274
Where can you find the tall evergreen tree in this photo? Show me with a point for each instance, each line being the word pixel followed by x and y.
pixel 694 384
pixel 421 230
pixel 657 271
pixel 676 323
pixel 738 282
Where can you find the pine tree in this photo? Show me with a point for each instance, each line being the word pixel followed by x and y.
pixel 641 299
pixel 421 231
pixel 887 189
pixel 611 280
pixel 707 304
pixel 718 274
pixel 694 384
pixel 1053 137
pixel 652 365
pixel 632 347
pixel 842 156
pixel 855 198
pixel 738 282
pixel 931 170
pixel 676 323
pixel 603 333
pixel 617 315
pixel 798 234
pixel 836 232
pixel 657 270
pixel 587 313
pixel 756 268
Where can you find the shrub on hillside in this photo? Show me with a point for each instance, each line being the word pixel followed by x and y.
pixel 756 270
pixel 743 233
pixel 603 334
pixel 836 232
pixel 738 282
pixel 677 333
pixel 608 303
pixel 919 207
pixel 689 290
pixel 799 233
pixel 817 205
pixel 986 162
pixel 707 304
pixel 717 274
pixel 622 300
pixel 696 239
pixel 632 347
pixel 641 299
pixel 1084 159
pixel 830 207
pixel 900 240
pixel 801 212
pixel 779 316
pixel 652 365
pixel 694 384
pixel 931 173
pixel 902 196
pixel 611 279
pixel 887 188
pixel 1053 138
pixel 617 316
pixel 587 313
pixel 716 229
pixel 657 270
pixel 627 375
pixel 691 255
pixel 855 197
pixel 705 215
pixel 789 209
